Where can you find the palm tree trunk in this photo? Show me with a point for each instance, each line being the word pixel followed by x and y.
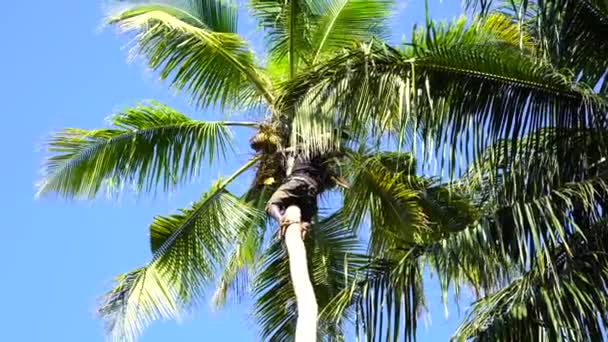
pixel 306 329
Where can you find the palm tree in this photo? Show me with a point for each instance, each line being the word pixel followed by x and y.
pixel 194 45
pixel 512 105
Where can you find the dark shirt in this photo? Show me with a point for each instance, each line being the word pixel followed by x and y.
pixel 310 167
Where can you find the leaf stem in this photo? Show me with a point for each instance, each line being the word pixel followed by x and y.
pixel 240 123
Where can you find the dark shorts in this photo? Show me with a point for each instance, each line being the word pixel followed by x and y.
pixel 300 191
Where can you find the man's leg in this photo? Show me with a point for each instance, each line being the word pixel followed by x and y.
pixel 275 212
pixel 294 191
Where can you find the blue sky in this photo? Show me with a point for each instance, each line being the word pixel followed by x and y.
pixel 59 69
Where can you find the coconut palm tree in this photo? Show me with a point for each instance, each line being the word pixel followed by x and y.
pixel 194 45
pixel 512 105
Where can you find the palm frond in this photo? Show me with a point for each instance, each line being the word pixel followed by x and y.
pixel 182 266
pixel 552 185
pixel 493 29
pixel 482 6
pixel 571 33
pixel 539 161
pixel 275 305
pixel 334 253
pixel 566 302
pixel 187 248
pixel 215 67
pixel 150 146
pixel 344 22
pixel 287 26
pixel 575 35
pixel 300 33
pixel 235 279
pixel 402 208
pixel 461 90
pixel 138 298
pixel 386 296
pixel 385 190
pixel 218 15
pixel 469 258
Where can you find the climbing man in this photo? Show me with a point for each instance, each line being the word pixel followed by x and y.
pixel 306 178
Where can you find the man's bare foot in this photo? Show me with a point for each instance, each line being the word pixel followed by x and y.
pixel 284 223
pixel 305 227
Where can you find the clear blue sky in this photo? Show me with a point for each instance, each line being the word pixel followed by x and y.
pixel 60 70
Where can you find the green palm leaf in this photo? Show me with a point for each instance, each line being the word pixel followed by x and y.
pixel 218 15
pixel 553 184
pixel 387 295
pixel 344 22
pixel 276 308
pixel 303 32
pixel 566 302
pixel 242 262
pixel 287 26
pixel 415 223
pixel 187 248
pixel 542 213
pixel 334 255
pixel 238 266
pixel 151 145
pixel 384 189
pixel 139 297
pixel 459 88
pixel 571 33
pixel 385 298
pixel 216 67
